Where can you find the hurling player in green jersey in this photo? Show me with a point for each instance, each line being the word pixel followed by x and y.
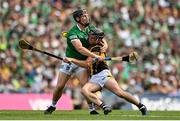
pixel 77 47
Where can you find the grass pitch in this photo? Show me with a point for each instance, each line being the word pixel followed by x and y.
pixel 84 115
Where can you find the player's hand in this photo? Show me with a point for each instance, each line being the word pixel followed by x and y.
pixel 104 46
pixel 67 60
pixel 89 61
pixel 98 58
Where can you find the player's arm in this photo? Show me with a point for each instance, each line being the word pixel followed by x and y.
pixel 82 63
pixel 79 47
pixel 104 45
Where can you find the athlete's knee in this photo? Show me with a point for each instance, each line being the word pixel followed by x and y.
pixel 85 91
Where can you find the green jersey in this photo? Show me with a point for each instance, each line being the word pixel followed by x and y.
pixel 82 35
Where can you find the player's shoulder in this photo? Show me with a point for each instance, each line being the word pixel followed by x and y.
pixel 73 29
pixel 72 33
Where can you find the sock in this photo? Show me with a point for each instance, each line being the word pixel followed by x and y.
pixel 103 105
pixel 91 107
pixel 54 103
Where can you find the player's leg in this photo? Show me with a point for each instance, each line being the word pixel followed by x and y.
pixel 89 90
pixel 83 76
pixel 96 83
pixel 63 77
pixel 62 80
pixel 57 93
pixel 113 86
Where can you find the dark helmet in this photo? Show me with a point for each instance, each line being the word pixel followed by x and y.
pixel 78 13
pixel 98 33
pixel 96 48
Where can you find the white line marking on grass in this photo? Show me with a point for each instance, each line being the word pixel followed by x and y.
pixel 145 116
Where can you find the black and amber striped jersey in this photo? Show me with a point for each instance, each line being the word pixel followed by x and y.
pixel 98 66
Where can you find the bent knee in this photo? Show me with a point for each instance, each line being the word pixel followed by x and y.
pixel 85 91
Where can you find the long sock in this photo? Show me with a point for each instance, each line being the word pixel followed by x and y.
pixel 91 107
pixel 54 103
pixel 103 105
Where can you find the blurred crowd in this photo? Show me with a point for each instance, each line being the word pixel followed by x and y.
pixel 150 27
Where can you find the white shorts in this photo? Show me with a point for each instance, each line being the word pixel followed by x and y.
pixel 101 78
pixel 69 69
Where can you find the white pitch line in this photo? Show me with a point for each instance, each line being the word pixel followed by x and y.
pixel 145 116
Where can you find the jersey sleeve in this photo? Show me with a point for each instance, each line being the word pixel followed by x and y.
pixel 72 35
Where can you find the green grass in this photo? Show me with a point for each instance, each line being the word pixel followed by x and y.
pixel 84 115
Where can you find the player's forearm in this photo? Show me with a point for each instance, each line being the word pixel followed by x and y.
pixel 80 63
pixel 86 52
pixel 105 44
pixel 78 45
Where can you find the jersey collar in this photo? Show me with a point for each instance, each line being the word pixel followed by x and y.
pixel 80 28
